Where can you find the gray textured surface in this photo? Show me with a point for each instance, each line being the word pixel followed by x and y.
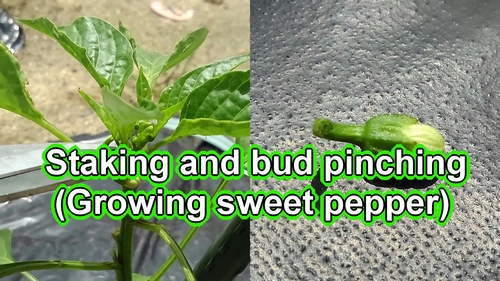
pixel 348 61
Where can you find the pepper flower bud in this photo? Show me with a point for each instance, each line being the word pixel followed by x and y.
pixel 382 132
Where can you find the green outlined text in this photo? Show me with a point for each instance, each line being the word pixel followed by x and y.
pixel 80 202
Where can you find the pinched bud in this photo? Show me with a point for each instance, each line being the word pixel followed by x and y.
pixel 149 133
pixel 426 135
pixel 382 132
pixel 135 140
pixel 143 125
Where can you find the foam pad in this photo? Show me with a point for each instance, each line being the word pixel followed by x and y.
pixel 349 61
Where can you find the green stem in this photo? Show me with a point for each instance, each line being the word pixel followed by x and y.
pixel 326 129
pixel 125 239
pixel 163 233
pixel 189 235
pixel 161 143
pixel 29 276
pixel 114 254
pixel 17 267
pixel 129 183
pixel 53 130
pixel 108 140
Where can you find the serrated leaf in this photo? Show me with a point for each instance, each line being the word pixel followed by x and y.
pixel 142 87
pixel 125 114
pixel 173 97
pixel 102 49
pixel 221 106
pixel 6 248
pixel 152 64
pixel 13 95
pixel 185 47
pixel 103 114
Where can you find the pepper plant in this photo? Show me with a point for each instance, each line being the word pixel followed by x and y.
pixel 212 100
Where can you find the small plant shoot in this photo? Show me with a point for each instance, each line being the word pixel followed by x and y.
pixel 210 100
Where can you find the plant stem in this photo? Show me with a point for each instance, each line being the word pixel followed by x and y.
pixel 189 235
pixel 29 276
pixel 49 127
pixel 125 239
pixel 114 254
pixel 17 267
pixel 108 140
pixel 161 143
pixel 163 233
pixel 326 129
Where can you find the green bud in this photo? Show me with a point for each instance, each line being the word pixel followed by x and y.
pixel 116 234
pixel 135 139
pixel 149 133
pixel 129 183
pixel 382 132
pixel 144 125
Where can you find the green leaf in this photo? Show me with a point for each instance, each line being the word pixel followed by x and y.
pixel 221 106
pixel 104 115
pixel 124 114
pixel 130 39
pixel 173 97
pixel 15 98
pixel 138 277
pixel 6 248
pixel 155 64
pixel 13 94
pixel 244 142
pixel 149 105
pixel 152 64
pixel 186 47
pixel 102 49
pixel 142 87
